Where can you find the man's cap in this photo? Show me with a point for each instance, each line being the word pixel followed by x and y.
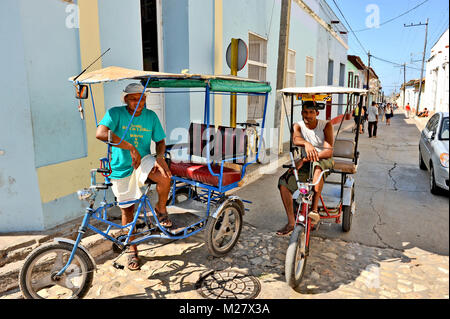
pixel 133 88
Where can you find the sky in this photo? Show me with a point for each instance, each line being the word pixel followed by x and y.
pixel 392 41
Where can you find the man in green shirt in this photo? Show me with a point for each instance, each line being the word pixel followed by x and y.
pixel 131 162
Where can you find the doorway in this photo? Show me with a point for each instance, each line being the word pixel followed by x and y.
pixel 151 29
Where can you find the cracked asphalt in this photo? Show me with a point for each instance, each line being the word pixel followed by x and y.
pixel 394 207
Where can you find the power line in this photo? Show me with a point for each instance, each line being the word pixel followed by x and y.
pixel 390 20
pixel 348 24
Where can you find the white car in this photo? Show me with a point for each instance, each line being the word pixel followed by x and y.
pixel 433 151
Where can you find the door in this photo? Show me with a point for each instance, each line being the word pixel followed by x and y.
pixel 151 24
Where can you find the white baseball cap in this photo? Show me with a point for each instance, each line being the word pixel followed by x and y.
pixel 133 88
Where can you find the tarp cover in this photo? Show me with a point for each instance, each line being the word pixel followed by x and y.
pixel 221 83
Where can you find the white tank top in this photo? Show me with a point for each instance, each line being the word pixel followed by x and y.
pixel 316 136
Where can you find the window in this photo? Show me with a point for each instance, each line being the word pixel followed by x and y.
pixel 356 82
pixel 432 123
pixel 309 74
pixel 257 70
pixel 291 73
pixel 350 80
pixel 330 72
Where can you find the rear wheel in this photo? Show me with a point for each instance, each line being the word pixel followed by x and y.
pixel 347 214
pixel 421 162
pixel 222 232
pixel 37 276
pixel 296 257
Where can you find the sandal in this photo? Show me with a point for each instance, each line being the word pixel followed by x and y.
pixel 285 231
pixel 134 263
pixel 164 219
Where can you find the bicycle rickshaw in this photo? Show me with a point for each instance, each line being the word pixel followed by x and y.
pixel 201 178
pixel 337 200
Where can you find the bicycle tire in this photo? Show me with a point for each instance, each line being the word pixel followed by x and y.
pixel 294 271
pixel 215 224
pixel 86 265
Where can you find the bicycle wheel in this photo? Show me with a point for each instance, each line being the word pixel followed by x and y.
pixel 262 156
pixel 36 276
pixel 296 257
pixel 222 233
pixel 347 214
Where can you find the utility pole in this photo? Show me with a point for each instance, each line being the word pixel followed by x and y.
pixel 283 45
pixel 404 83
pixel 368 79
pixel 423 60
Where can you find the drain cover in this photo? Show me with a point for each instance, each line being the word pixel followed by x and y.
pixel 228 284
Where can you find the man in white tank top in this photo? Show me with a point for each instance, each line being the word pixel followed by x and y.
pixel 316 137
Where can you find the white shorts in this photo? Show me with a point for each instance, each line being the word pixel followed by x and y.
pixel 129 188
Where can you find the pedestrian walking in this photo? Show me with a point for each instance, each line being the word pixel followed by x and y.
pixel 408 110
pixel 381 111
pixel 389 113
pixel 373 120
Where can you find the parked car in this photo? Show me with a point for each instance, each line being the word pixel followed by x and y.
pixel 433 151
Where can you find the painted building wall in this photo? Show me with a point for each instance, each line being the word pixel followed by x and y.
pixel 436 97
pixel 20 206
pixel 46 150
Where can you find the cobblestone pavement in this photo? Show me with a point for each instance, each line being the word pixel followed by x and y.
pixel 335 269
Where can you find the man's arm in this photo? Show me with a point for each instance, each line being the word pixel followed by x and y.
pixel 161 163
pixel 102 135
pixel 311 152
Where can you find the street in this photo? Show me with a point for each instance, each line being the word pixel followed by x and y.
pixel 397 247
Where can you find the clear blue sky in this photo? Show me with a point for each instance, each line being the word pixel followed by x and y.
pixel 392 41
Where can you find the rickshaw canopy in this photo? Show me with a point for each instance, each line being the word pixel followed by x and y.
pixel 323 90
pixel 219 83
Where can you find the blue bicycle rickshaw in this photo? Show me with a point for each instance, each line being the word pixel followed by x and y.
pixel 212 162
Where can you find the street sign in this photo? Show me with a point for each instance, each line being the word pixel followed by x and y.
pixel 242 55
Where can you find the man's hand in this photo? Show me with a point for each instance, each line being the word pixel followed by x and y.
pixel 161 166
pixel 311 153
pixel 135 158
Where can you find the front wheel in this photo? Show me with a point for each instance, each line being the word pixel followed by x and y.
pixel 433 187
pixel 36 278
pixel 296 257
pixel 262 156
pixel 222 232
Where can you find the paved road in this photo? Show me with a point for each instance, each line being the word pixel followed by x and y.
pixel 394 206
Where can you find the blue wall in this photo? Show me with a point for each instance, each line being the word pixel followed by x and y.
pixel 20 203
pixel 51 57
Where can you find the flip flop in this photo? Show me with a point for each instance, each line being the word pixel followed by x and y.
pixel 164 219
pixel 134 260
pixel 285 231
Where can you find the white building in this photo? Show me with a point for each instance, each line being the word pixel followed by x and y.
pixel 436 89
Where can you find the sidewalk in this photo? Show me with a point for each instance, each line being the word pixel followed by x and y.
pixel 15 247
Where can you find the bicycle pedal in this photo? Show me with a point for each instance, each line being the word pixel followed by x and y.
pixel 118 266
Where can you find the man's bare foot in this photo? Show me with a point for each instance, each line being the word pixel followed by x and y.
pixel 286 230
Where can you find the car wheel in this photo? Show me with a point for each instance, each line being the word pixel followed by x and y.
pixel 433 187
pixel 421 162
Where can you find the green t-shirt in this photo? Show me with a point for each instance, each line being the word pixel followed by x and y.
pixel 144 128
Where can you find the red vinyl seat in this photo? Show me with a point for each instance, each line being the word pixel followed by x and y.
pixel 201 173
pixel 225 143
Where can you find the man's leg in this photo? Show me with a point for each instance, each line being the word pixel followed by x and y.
pixel 370 129
pixel 127 217
pixel 288 203
pixel 314 213
pixel 163 189
pixel 375 126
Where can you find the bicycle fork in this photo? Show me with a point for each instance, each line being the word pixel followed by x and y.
pixel 81 232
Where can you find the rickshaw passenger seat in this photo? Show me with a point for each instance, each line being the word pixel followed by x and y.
pixel 344 155
pixel 225 143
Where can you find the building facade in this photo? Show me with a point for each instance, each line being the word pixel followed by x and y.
pixel 47 151
pixel 436 96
